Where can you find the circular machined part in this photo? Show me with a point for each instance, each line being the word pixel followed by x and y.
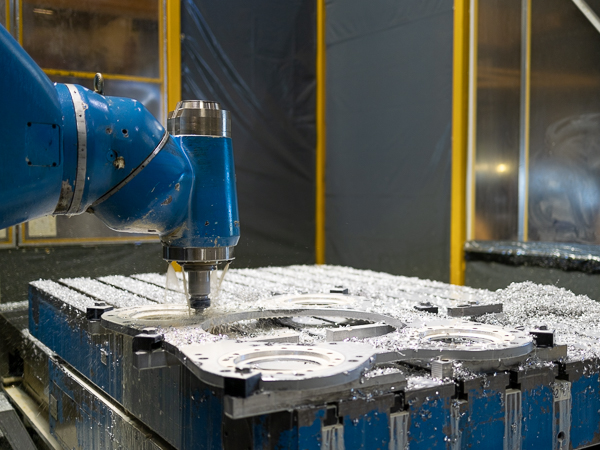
pixel 199 118
pixel 314 301
pixel 283 366
pixel 132 320
pixel 283 359
pixel 467 341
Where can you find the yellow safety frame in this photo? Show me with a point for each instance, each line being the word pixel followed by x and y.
pixel 321 137
pixel 7 15
pixel 169 51
pixel 10 241
pixel 173 53
pixel 460 114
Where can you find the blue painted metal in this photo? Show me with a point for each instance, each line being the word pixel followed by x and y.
pixel 538 419
pixel 483 423
pixel 64 330
pixel 39 134
pixel 585 412
pixel 203 413
pixel 212 218
pixel 38 121
pixel 28 97
pixel 430 418
pixel 156 199
pixel 116 127
pixel 309 429
pixel 187 194
pixel 189 414
pixel 260 431
pixel 369 431
pixel 288 439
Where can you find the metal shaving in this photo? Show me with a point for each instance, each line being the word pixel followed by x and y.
pixel 575 318
pixel 103 292
pixel 146 290
pixel 188 335
pixel 64 294
pixel 13 306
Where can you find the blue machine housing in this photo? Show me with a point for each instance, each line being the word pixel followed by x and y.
pixel 187 194
pixel 68 150
pixel 212 209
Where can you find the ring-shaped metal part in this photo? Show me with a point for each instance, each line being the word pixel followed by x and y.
pixel 468 342
pixel 314 300
pixel 198 254
pixel 80 122
pixel 132 320
pixel 281 366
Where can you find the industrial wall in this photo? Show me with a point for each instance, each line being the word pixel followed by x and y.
pixel 389 99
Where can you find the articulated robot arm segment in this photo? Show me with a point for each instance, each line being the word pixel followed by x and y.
pixel 67 150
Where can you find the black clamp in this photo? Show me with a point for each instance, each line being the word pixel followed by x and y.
pixel 542 336
pixel 427 307
pixel 94 313
pixel 149 339
pixel 243 386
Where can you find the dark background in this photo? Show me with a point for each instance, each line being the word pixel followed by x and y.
pixel 389 115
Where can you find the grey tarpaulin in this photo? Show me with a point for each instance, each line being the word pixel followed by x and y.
pixel 389 100
pixel 257 58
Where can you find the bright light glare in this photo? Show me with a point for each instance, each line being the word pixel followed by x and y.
pixel 501 168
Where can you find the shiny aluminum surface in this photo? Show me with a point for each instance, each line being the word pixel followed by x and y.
pixel 284 366
pixel 70 201
pixel 200 118
pixel 197 254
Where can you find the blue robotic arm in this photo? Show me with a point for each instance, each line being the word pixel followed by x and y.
pixel 69 150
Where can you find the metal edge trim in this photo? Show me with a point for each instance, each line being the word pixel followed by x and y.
pixel 524 125
pixel 80 108
pixel 133 173
pixel 460 106
pixel 321 130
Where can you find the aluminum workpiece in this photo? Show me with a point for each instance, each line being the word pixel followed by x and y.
pixel 317 357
